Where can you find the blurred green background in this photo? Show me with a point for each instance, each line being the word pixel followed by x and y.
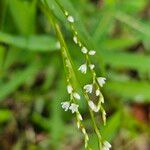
pixel 32 78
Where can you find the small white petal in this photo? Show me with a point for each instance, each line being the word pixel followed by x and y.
pixel 104 148
pixel 101 81
pixel 76 96
pixel 92 106
pixel 88 88
pixel 92 52
pixel 83 68
pixel 74 107
pixel 107 144
pixel 69 89
pixel 96 109
pixel 65 105
pixel 70 19
pixel 92 66
pixel 97 92
pixel 75 39
pixel 84 50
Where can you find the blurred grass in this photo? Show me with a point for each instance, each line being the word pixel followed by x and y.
pixel 32 76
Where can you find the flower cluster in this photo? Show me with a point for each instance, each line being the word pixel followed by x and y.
pixel 93 88
pixel 97 83
pixel 68 105
pixel 74 97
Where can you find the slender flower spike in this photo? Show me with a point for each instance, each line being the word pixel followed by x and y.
pixel 92 66
pixel 84 50
pixel 65 105
pixel 69 89
pixel 76 96
pixel 83 68
pixel 70 19
pixel 75 39
pixel 74 107
pixel 88 88
pixel 97 92
pixel 92 52
pixel 101 81
pixel 106 146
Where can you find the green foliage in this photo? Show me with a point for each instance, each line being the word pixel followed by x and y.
pixel 32 74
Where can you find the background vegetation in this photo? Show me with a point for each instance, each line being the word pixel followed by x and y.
pixel 32 78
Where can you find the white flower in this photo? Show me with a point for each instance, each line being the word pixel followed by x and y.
pixel 88 88
pixel 75 39
pixel 74 107
pixel 92 66
pixel 76 96
pixel 101 81
pixel 84 50
pixel 65 105
pixel 106 146
pixel 97 92
pixel 92 52
pixel 70 19
pixel 83 68
pixel 69 89
pixel 92 106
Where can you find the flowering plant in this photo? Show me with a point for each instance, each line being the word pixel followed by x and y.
pixel 93 88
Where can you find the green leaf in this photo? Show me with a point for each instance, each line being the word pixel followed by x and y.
pixel 129 90
pixel 18 79
pixel 33 42
pixel 2 54
pixel 126 60
pixel 104 24
pixel 23 13
pixel 118 44
pixel 112 127
pixel 134 24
